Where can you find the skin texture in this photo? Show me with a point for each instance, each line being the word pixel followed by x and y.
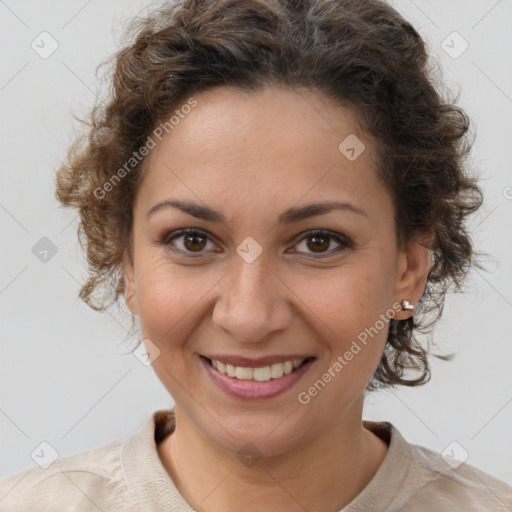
pixel 251 156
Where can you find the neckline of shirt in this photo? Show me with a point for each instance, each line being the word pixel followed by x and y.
pixel 144 472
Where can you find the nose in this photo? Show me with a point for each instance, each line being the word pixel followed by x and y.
pixel 253 302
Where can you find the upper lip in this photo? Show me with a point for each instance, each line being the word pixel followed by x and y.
pixel 260 362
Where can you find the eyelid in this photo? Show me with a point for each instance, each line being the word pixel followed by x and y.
pixel 180 233
pixel 343 241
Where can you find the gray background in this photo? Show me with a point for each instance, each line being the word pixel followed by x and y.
pixel 64 377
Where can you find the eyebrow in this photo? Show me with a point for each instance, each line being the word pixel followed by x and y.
pixel 294 214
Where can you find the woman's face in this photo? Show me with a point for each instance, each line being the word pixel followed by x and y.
pixel 255 280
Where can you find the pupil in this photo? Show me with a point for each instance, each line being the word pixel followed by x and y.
pixel 315 242
pixel 193 239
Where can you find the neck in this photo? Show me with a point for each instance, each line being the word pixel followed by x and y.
pixel 324 473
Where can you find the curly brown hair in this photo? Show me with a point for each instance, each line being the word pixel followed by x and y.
pixel 360 53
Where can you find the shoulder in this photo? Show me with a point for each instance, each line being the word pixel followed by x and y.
pixel 455 485
pixel 82 481
pixel 413 478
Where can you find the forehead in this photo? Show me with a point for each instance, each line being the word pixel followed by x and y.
pixel 226 121
pixel 261 146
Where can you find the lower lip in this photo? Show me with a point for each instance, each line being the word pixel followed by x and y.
pixel 251 389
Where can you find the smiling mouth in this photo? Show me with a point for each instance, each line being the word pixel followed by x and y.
pixel 261 374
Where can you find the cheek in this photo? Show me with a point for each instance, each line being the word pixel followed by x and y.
pixel 172 300
pixel 348 299
pixel 348 305
pixel 349 314
pixel 165 297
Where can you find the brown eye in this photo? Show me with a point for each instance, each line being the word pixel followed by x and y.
pixel 318 242
pixel 194 242
pixel 187 242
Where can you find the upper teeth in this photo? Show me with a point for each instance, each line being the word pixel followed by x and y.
pixel 274 371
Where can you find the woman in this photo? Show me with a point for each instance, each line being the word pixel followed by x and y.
pixel 278 192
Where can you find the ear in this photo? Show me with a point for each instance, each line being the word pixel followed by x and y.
pixel 130 289
pixel 413 267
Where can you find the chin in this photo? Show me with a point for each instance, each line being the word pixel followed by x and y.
pixel 267 434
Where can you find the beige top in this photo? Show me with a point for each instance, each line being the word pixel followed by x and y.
pixel 129 476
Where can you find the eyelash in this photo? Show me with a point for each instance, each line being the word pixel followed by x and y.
pixel 344 242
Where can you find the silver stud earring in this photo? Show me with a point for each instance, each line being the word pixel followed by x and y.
pixel 406 305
